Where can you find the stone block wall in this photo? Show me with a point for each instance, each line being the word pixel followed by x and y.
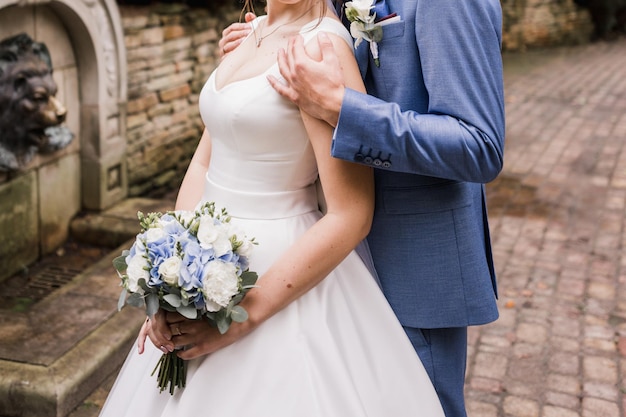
pixel 529 24
pixel 171 50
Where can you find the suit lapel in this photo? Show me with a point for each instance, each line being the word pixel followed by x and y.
pixel 362 57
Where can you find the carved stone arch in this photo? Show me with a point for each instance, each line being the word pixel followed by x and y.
pixel 94 28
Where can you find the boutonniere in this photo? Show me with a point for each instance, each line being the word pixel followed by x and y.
pixel 364 24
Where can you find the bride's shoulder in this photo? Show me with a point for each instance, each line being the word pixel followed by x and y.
pixel 326 24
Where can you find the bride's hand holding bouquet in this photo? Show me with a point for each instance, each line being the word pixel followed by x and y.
pixel 192 266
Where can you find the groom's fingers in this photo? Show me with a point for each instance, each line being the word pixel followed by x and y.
pixel 329 55
pixel 284 89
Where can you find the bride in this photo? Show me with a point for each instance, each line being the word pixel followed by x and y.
pixel 321 339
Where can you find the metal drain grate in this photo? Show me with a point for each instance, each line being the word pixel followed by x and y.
pixel 52 278
pixel 42 282
pixel 50 273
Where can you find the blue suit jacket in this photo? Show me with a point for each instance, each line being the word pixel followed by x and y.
pixel 433 123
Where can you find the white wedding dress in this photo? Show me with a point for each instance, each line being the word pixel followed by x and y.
pixel 336 351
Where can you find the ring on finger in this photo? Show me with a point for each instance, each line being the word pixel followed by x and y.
pixel 178 332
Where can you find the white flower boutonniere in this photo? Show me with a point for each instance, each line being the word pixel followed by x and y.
pixel 363 25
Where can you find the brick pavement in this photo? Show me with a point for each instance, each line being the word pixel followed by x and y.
pixel 558 214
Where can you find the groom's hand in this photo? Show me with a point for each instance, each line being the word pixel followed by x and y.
pixel 234 34
pixel 314 81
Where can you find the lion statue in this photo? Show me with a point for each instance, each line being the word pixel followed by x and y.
pixel 30 114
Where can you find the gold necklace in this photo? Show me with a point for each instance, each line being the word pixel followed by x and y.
pixel 260 38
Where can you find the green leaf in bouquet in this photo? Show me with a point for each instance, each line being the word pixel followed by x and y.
pixel 236 299
pixel 173 300
pixel 135 300
pixel 119 263
pixel 176 291
pixel 166 306
pixel 248 279
pixel 152 304
pixel 238 314
pixel 147 221
pixel 144 285
pixel 211 316
pixel 223 323
pixel 188 311
pixel 122 300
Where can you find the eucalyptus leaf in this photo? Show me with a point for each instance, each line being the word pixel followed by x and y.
pixel 144 286
pixel 173 300
pixel 152 304
pixel 188 311
pixel 135 300
pixel 238 314
pixel 249 278
pixel 174 290
pixel 165 306
pixel 376 33
pixel 236 299
pixel 122 300
pixel 223 323
pixel 119 263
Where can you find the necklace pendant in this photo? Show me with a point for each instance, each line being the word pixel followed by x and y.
pixel 258 41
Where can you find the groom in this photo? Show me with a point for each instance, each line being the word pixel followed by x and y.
pixel 433 124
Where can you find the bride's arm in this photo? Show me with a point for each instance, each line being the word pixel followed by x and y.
pixel 193 183
pixel 349 192
pixel 188 197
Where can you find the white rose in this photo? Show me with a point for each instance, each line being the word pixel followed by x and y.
pixel 360 8
pixel 136 271
pixel 154 234
pixel 214 236
pixel 222 244
pixel 220 284
pixel 170 270
pixel 246 247
pixel 207 231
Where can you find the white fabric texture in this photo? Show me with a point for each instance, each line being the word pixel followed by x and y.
pixel 336 351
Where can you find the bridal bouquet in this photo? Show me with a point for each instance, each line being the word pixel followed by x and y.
pixel 192 262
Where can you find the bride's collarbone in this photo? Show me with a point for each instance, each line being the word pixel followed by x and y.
pixel 249 61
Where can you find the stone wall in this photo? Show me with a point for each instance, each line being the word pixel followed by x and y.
pixel 539 23
pixel 171 50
